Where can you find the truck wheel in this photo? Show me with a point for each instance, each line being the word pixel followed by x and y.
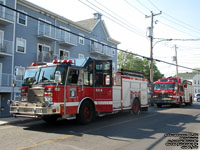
pixel 86 113
pixel 136 107
pixel 159 105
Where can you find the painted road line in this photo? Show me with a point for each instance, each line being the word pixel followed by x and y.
pixel 87 131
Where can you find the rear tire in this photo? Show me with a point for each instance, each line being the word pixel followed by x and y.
pixel 136 107
pixel 86 113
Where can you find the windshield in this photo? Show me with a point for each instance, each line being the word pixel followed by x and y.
pixel 164 86
pixel 31 76
pixel 44 75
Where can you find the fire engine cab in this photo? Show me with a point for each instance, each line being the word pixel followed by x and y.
pixel 173 91
pixel 79 89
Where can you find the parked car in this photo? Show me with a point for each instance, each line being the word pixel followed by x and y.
pixel 197 97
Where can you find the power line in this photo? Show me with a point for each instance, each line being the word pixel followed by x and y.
pixel 126 22
pixel 87 38
pixel 175 20
pixel 130 4
pixel 117 22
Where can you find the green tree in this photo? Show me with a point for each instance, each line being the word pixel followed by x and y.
pixel 131 62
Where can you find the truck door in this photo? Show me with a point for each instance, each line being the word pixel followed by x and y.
pixel 103 83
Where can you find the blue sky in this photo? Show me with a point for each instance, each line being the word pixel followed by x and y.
pixel 180 19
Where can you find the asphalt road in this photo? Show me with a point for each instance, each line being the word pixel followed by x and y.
pixel 149 131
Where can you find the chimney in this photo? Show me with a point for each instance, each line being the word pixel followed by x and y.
pixel 97 16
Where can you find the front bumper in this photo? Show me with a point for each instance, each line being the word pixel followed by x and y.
pixel 33 111
pixel 163 101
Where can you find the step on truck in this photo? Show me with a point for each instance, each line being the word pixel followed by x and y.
pixel 172 91
pixel 79 89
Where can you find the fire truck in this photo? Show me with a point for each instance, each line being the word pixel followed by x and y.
pixel 79 89
pixel 173 91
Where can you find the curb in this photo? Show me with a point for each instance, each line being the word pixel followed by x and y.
pixel 19 121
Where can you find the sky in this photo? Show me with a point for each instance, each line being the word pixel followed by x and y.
pixel 126 22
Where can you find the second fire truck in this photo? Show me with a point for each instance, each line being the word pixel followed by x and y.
pixel 79 88
pixel 173 91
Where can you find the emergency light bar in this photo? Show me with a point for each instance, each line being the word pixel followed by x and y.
pixel 55 61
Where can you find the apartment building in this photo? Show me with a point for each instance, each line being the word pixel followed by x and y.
pixel 24 40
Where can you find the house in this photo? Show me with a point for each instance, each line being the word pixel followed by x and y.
pixel 24 40
pixel 194 78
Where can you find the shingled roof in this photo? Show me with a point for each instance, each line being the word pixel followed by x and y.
pixel 88 23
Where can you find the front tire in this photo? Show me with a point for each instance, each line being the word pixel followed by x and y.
pixel 50 119
pixel 86 113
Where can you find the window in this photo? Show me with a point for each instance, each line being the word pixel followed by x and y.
pixel 64 54
pixel 73 76
pixel 43 53
pixel 19 71
pixel 81 56
pixel 113 51
pixel 113 67
pixel 22 19
pixel 21 45
pixel 81 39
pixel 194 81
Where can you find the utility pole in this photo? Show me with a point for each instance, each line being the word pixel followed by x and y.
pixel 151 46
pixel 176 59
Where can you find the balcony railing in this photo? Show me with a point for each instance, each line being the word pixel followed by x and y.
pixel 6 16
pixel 46 32
pixel 101 49
pixel 6 48
pixel 6 80
pixel 46 57
pixel 68 40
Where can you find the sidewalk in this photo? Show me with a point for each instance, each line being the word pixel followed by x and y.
pixel 13 120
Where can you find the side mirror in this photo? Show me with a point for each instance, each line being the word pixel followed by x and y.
pixel 57 77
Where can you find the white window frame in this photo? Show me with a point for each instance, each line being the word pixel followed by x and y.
pixel 17 40
pixel 81 56
pixel 22 74
pixel 19 18
pixel 64 50
pixel 81 38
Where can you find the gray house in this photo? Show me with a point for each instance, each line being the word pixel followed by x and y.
pixel 24 40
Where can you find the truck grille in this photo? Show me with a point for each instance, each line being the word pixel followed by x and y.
pixel 35 95
pixel 163 95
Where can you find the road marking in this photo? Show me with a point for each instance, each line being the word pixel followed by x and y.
pixel 87 131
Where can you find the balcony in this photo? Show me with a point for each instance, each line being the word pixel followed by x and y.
pixel 101 49
pixel 6 16
pixel 46 57
pixel 46 32
pixel 68 40
pixel 6 48
pixel 6 83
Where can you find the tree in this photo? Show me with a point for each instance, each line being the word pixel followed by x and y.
pixel 131 62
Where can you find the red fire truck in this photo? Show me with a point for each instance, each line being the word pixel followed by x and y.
pixel 173 91
pixel 79 88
